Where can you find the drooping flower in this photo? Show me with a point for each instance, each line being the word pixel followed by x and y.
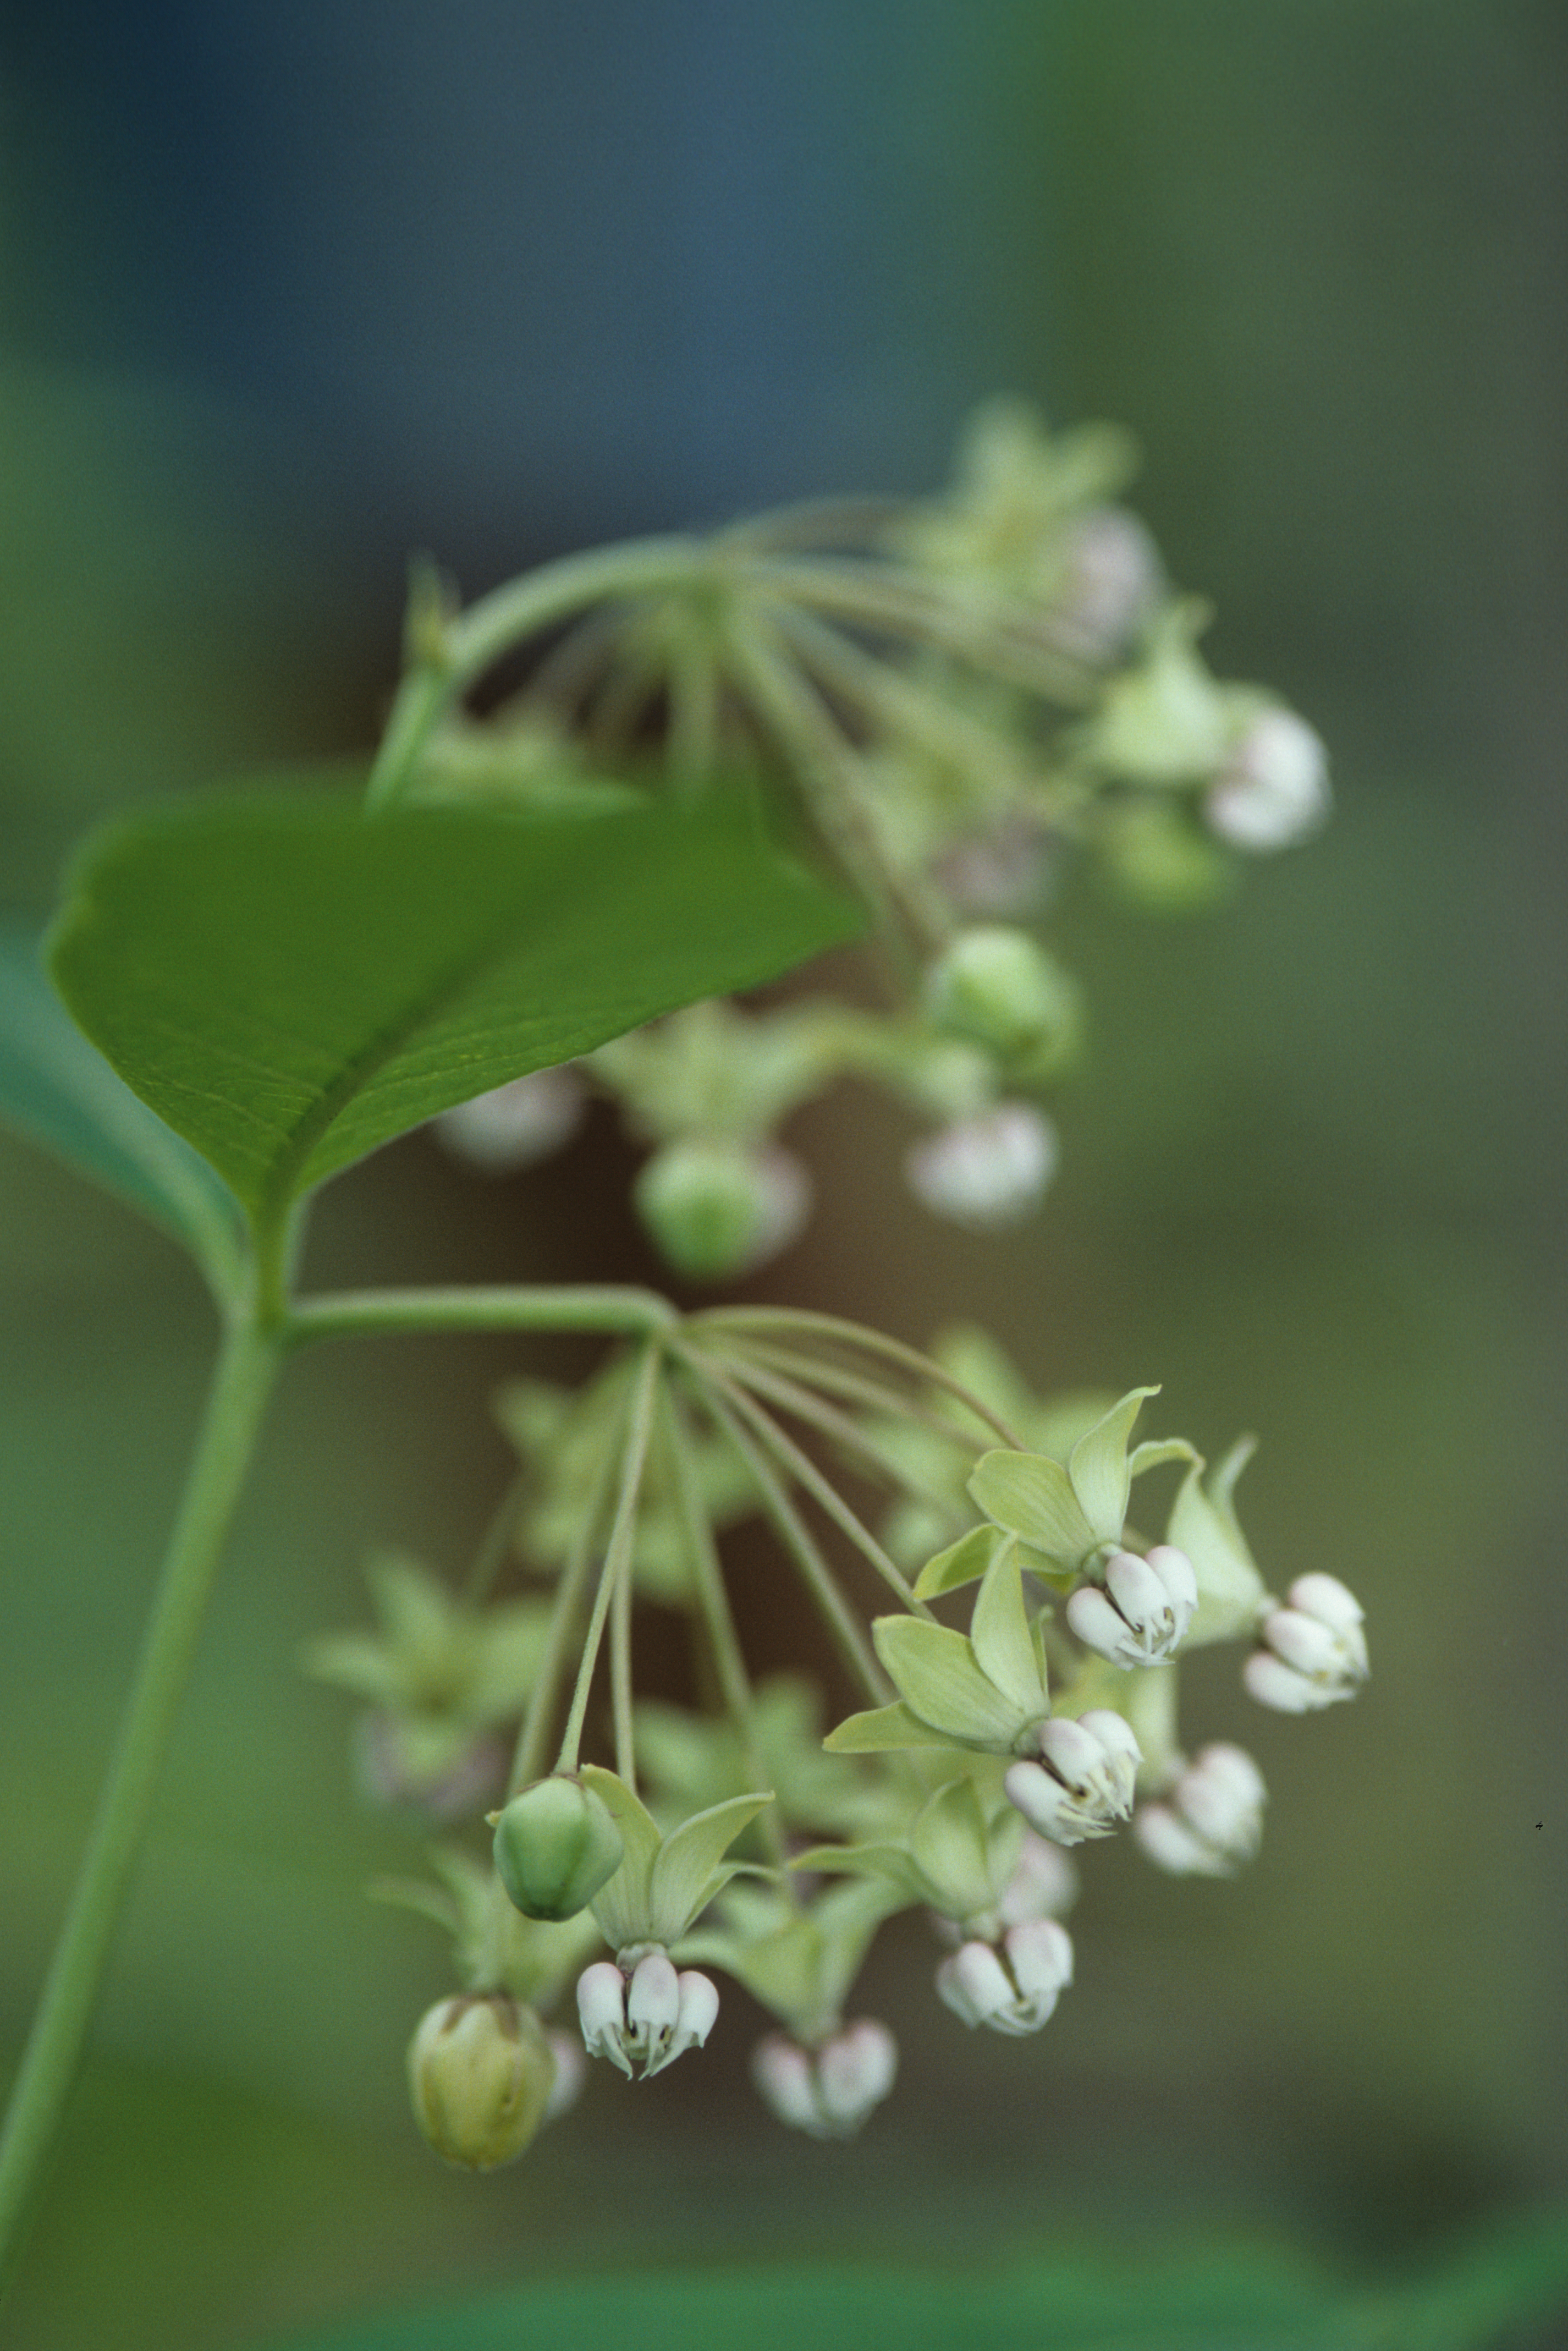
pixel 828 2090
pixel 1140 1612
pixel 1012 1987
pixel 1313 1650
pixel 1082 1785
pixel 1210 1819
pixel 986 1171
pixel 1273 790
pixel 644 2021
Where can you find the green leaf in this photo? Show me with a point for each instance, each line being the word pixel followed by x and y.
pixel 880 1730
pixel 1001 1637
pixel 290 983
pixel 1098 1467
pixel 690 1856
pixel 963 1561
pixel 1032 1496
pixel 60 1092
pixel 933 1670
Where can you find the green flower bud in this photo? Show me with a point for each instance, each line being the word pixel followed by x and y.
pixel 993 986
pixel 480 2074
pixel 719 1208
pixel 555 1844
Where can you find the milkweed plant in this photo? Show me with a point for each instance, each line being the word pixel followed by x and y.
pixel 899 721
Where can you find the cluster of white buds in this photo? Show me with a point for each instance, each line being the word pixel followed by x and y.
pixel 1212 1818
pixel 648 2019
pixel 988 1170
pixel 1082 1785
pixel 828 2090
pixel 1013 1986
pixel 1141 1611
pixel 1313 1650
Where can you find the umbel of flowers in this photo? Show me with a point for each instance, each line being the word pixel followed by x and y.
pixel 963 696
pixel 743 1842
pixel 957 699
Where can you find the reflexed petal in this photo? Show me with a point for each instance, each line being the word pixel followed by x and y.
pixel 1273 1683
pixel 1041 1958
pixel 1179 1576
pixel 782 2072
pixel 1172 1845
pixel 1301 1641
pixel 1101 1628
pixel 856 2071
pixel 602 2007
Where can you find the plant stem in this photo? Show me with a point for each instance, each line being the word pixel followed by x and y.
pixel 805 1321
pixel 805 1472
pixel 796 1537
pixel 370 1313
pixel 618 1550
pixel 718 1621
pixel 475 638
pixel 242 1384
pixel 528 1762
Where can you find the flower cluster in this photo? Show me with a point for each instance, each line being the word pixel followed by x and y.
pixel 961 692
pixel 953 696
pixel 743 1842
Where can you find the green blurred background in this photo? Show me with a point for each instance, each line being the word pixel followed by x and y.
pixel 288 291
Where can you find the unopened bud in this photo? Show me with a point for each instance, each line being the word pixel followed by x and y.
pixel 985 1172
pixel 993 986
pixel 555 1844
pixel 1143 1610
pixel 480 2075
pixel 829 2091
pixel 1212 1819
pixel 716 1209
pixel 1083 1784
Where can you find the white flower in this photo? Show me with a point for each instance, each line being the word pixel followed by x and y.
pixel 985 1171
pixel 1212 1819
pixel 1044 1884
pixel 514 1125
pixel 649 2019
pixel 1083 1784
pixel 1142 1611
pixel 1313 1651
pixel 1113 577
pixel 1012 1988
pixel 1273 790
pixel 827 2091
